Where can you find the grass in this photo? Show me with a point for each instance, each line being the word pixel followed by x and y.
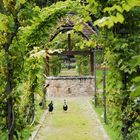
pixel 71 125
pixel 112 132
pixel 99 81
pixel 68 72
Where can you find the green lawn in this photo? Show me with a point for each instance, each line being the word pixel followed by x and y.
pixel 68 72
pixel 72 125
pixel 112 132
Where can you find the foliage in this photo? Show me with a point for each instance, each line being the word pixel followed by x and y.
pixel 55 65
pixel 120 37
pixel 25 30
pixel 15 71
pixel 40 30
pixel 82 65
pixel 22 36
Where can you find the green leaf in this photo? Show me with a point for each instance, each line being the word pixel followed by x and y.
pixel 136 87
pixel 136 92
pixel 113 8
pixel 87 18
pixel 119 8
pixel 120 17
pixel 100 22
pixel 137 79
pixel 135 60
pixel 126 7
pixel 78 27
pixel 90 43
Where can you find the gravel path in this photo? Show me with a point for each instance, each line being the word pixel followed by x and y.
pixel 78 107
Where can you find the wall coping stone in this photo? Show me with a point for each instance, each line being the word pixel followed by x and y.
pixel 69 77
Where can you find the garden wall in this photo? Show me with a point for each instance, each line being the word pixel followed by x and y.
pixel 70 86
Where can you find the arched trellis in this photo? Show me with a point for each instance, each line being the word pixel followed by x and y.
pixel 86 33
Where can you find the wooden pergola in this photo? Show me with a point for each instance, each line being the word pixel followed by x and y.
pixel 88 30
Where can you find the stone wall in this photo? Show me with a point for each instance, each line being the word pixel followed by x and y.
pixel 70 86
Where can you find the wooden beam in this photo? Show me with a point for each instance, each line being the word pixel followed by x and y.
pixel 63 29
pixel 83 52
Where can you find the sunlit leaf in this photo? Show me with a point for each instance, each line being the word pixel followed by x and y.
pixel 78 27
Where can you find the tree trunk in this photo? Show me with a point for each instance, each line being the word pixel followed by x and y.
pixel 44 97
pixel 10 81
pixel 33 98
pixel 125 100
pixel 10 119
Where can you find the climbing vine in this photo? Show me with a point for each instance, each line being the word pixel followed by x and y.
pixel 120 37
pixel 22 37
pixel 23 43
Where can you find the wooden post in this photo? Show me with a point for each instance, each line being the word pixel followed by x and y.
pixel 125 99
pixel 91 62
pixel 44 96
pixel 69 48
pixel 104 88
pixel 47 73
pixel 10 111
pixel 95 88
pixel 104 94
pixel 69 41
pixel 47 69
pixel 33 98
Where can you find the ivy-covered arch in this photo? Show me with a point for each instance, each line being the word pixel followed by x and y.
pixel 87 29
pixel 68 24
pixel 41 32
pixel 38 33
